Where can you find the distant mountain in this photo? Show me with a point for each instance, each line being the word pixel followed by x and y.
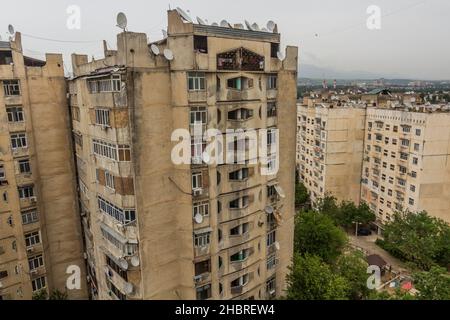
pixel 315 72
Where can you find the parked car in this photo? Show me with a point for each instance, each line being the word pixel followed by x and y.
pixel 364 232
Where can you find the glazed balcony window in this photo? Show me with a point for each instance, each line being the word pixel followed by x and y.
pixel 15 114
pixel 240 59
pixel 240 83
pixel 196 81
pixel 111 83
pixel 102 117
pixel 240 230
pixel 240 114
pixel 272 82
pixel 239 175
pixel 240 203
pixel 11 87
pixel 240 256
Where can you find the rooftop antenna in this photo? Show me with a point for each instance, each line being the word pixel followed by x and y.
pixel 201 21
pixel 249 26
pixel 270 25
pixel 184 15
pixel 122 21
pixel 155 49
pixel 225 24
pixel 168 54
pixel 255 27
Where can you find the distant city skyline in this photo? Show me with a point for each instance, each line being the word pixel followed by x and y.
pixel 332 35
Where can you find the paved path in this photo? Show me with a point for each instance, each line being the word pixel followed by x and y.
pixel 367 244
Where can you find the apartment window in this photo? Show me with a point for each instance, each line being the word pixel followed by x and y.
pixel 404 156
pixel 15 114
pixel 240 83
pixel 413 174
pixel 198 117
pixel 110 83
pixel 204 292
pixel 203 267
pixel 395 129
pixel 416 147
pixel 36 262
pixel 116 268
pixel 3 274
pixel 240 282
pixel 390 193
pixel 201 208
pixel 202 239
pixel 239 203
pixel 196 81
pixel 240 114
pixel 124 216
pixel 401 182
pixel 418 132
pixel 197 181
pixel 392 167
pixel 402 169
pixel 369 136
pixel 38 284
pixel 30 216
pixel 105 149
pixel 239 175
pixel 109 180
pixel 102 117
pixel 26 192
pixel 274 49
pixel 2 173
pixel 270 238
pixel 272 82
pixel 24 166
pixel 271 262
pixel 271 286
pixel 412 188
pixel 411 201
pixel 394 142
pixel 11 87
pixel 240 256
pixel 18 140
pixel 240 230
pixel 405 142
pixel 415 161
pixel 124 152
pixel 32 238
pixel 385 165
pixel 201 44
pixel 271 109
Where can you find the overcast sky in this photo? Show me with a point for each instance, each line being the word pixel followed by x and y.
pixel 413 41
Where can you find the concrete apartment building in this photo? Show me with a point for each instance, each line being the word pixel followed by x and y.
pixel 406 162
pixel 330 145
pixel 155 229
pixel 40 232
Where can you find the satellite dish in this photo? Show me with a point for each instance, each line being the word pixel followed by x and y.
pixel 215 24
pixel 11 29
pixel 155 49
pixel 249 26
pixel 224 24
pixel 184 15
pixel 268 209
pixel 270 25
pixel 135 261
pixel 128 287
pixel 277 245
pixel 123 264
pixel 239 26
pixel 164 32
pixel 264 29
pixel 280 55
pixel 255 27
pixel 200 21
pixel 122 20
pixel 198 218
pixel 168 54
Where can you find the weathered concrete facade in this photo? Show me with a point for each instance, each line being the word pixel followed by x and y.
pixel 184 231
pixel 40 235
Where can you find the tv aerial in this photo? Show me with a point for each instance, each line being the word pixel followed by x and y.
pixel 270 25
pixel 184 15
pixel 168 54
pixel 122 21
pixel 155 49
pixel 201 21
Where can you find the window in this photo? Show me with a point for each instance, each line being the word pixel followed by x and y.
pixel 196 81
pixel 38 284
pixel 411 201
pixel 15 114
pixel 32 239
pixel 29 217
pixel 415 161
pixel 240 256
pixel 202 267
pixel 3 274
pixel 406 129
pixel 416 147
pixel 201 208
pixel 240 282
pixel 412 188
pixel 271 109
pixel 274 49
pixel 78 138
pixel 201 44
pixel 239 174
pixel 26 192
pixel 127 249
pixel 110 83
pixel 204 292
pixel 198 118
pixel 271 238
pixel 197 181
pixel 395 129
pixel 124 216
pixel 418 132
pixel 105 149
pixel 271 286
pixel 109 180
pixel 239 203
pixel 102 117
pixel 240 114
pixel 413 174
pixel 124 152
pixel 18 140
pixel 271 262
pixel 202 239
pixel 272 82
pixel 36 262
pixel 75 113
pixel 24 166
pixel 116 268
pixel 404 156
pixel 240 83
pixel 405 142
pixel 2 173
pixel 11 87
pixel 240 230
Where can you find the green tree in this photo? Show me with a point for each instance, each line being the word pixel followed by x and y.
pixel 40 295
pixel 433 285
pixel 353 267
pixel 350 214
pixel 418 238
pixel 301 194
pixel 312 279
pixel 315 233
pixel 58 295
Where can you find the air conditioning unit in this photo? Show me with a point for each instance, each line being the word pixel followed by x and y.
pixel 33 199
pixel 198 192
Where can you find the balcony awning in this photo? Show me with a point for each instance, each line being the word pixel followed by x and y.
pixel 114 233
pixel 280 191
